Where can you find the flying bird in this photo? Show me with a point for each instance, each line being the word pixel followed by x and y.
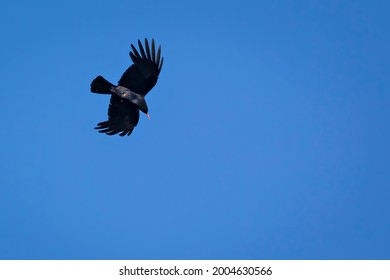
pixel 128 97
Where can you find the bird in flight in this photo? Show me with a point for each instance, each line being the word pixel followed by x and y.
pixel 128 97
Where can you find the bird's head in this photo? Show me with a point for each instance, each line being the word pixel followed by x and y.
pixel 142 106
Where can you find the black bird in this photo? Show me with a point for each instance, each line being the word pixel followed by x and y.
pixel 128 96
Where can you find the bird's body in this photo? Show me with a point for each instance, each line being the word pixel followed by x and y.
pixel 133 97
pixel 128 97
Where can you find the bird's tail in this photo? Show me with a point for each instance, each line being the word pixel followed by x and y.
pixel 101 85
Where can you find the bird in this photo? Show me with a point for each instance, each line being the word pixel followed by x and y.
pixel 128 97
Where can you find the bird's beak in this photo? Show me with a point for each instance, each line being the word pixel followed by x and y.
pixel 148 116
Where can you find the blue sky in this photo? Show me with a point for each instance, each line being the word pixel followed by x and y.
pixel 269 133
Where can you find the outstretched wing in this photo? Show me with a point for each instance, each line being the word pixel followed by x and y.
pixel 123 116
pixel 142 76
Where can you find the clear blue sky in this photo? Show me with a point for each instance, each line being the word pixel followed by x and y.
pixel 269 133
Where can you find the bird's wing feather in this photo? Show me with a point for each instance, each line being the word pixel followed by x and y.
pixel 123 116
pixel 142 75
